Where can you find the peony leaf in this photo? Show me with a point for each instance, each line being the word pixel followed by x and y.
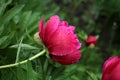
pixel 24 46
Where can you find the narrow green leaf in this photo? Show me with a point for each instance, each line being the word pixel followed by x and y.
pixel 31 74
pixel 25 19
pixel 5 40
pixel 11 13
pixel 92 75
pixel 82 35
pixel 20 73
pixel 24 46
pixel 3 6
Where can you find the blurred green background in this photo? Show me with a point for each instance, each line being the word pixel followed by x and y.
pixel 19 22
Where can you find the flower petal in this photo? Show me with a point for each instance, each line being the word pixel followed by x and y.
pixel 41 29
pixel 63 23
pixel 115 73
pixel 63 42
pixel 112 60
pixel 67 59
pixel 109 66
pixel 91 40
pixel 51 26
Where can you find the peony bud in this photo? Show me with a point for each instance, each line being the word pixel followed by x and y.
pixel 37 39
pixel 91 40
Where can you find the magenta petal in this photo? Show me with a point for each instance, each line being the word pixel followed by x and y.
pixel 63 23
pixel 67 59
pixel 51 26
pixel 72 28
pixel 63 42
pixel 41 24
pixel 41 29
pixel 115 73
pixel 91 40
pixel 110 61
pixel 111 69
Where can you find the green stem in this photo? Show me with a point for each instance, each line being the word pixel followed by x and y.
pixel 22 62
pixel 18 51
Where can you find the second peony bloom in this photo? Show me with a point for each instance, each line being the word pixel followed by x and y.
pixel 59 38
pixel 111 69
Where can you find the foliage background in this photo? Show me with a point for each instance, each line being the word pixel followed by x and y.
pixel 19 22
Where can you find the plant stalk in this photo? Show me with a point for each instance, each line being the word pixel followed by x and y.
pixel 22 62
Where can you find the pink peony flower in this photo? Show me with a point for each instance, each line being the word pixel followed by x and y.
pixel 59 38
pixel 111 69
pixel 91 40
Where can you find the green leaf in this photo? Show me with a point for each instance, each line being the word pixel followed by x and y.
pixel 92 75
pixel 28 22
pixel 3 6
pixel 21 74
pixel 11 13
pixel 25 19
pixel 1 29
pixel 82 35
pixel 24 46
pixel 27 72
pixel 31 74
pixel 5 40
